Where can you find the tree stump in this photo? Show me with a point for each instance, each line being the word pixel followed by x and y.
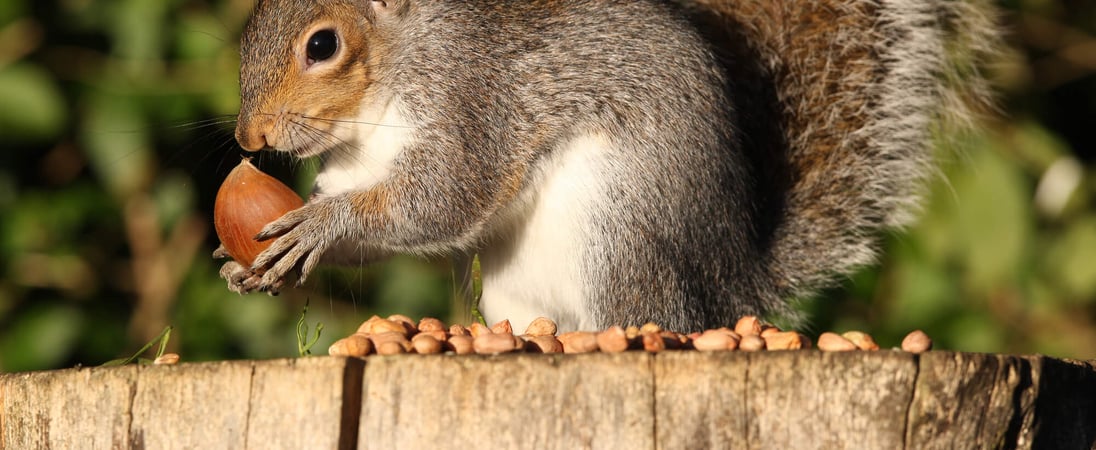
pixel 635 400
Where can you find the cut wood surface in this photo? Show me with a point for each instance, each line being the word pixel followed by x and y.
pixel 634 400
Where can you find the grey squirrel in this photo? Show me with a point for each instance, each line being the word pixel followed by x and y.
pixel 610 161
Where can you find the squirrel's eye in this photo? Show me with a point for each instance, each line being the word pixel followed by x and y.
pixel 322 45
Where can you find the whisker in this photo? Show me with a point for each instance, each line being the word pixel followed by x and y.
pixel 214 130
pixel 357 122
pixel 335 144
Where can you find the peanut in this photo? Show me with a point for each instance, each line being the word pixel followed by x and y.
pixel 431 324
pixel 396 337
pixel 541 327
pixel 862 340
pixel 917 342
pixel 425 344
pixel 440 335
pixel 612 340
pixel 502 327
pixel 579 342
pixel 387 326
pixel 358 344
pixel 367 326
pixel 653 342
pixel 715 340
pixel 400 318
pixel 748 325
pixel 460 344
pixel 166 359
pixel 751 343
pixel 784 340
pixel 543 344
pixel 833 342
pixel 390 348
pixel 494 343
pixel 478 329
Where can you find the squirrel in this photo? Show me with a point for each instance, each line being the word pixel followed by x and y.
pixel 683 162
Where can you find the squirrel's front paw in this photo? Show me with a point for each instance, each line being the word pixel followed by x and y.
pixel 241 279
pixel 303 235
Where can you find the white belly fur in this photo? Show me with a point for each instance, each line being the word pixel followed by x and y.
pixel 532 268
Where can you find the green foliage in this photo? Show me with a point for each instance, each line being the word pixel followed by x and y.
pixel 42 112
pixel 304 345
pixel 117 130
pixel 163 339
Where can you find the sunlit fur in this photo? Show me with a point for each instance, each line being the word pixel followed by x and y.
pixel 612 161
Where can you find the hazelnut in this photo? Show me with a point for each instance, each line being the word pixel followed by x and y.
pixel 247 201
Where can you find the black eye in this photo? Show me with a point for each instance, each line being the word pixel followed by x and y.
pixel 322 45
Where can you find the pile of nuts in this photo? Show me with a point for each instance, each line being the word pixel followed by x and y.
pixel 399 334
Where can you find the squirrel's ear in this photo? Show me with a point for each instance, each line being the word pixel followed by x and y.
pixel 387 8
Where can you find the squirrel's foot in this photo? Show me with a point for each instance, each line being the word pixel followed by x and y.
pixel 241 279
pixel 303 235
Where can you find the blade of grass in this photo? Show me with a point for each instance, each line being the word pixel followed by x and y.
pixel 136 357
pixel 304 346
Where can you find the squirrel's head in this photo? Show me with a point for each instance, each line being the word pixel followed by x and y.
pixel 305 66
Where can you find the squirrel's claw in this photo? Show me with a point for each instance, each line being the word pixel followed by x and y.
pixel 221 253
pixel 282 226
pixel 302 238
pixel 241 280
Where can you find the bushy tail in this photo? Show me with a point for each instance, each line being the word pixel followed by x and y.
pixel 838 100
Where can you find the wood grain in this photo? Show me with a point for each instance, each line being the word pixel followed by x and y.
pixel 509 401
pixel 813 399
pixel 75 408
pixel 700 400
pixel 635 400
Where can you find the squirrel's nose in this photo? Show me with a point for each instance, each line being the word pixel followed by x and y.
pixel 251 132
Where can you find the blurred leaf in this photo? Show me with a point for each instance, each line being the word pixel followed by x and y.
pixel 259 323
pixel 118 143
pixel 199 315
pixel 1071 259
pixel 972 332
pixel 923 292
pixel 138 30
pixel 9 192
pixel 414 288
pixel 42 338
pixel 201 36
pixel 175 198
pixel 34 108
pixel 53 220
pixel 994 218
pixel 11 10
pixel 1035 144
